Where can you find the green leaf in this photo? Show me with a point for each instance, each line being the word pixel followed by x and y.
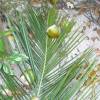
pixel 5 33
pixel 2 48
pixel 0 65
pixel 51 60
pixel 28 73
pixel 7 69
pixel 17 57
pixel 9 98
pixel 52 16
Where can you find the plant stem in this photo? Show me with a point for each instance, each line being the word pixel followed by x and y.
pixel 44 66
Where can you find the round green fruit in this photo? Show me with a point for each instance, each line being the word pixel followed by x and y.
pixel 53 31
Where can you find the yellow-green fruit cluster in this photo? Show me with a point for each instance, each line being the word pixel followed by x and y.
pixel 53 31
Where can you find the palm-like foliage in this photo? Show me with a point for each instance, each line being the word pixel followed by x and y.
pixel 50 59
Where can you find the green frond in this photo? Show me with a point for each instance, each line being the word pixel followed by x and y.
pixel 49 59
